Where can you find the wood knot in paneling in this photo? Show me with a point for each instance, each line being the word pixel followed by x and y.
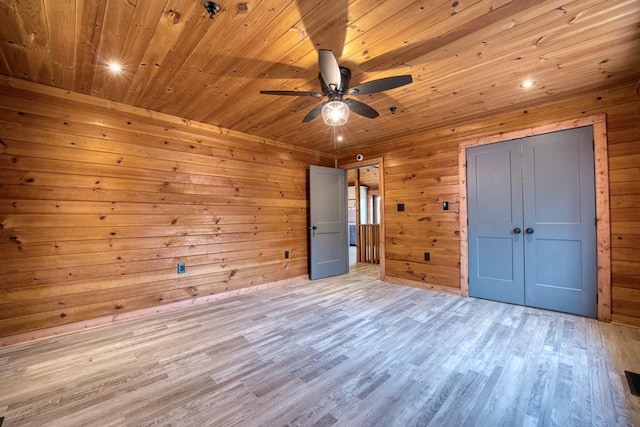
pixel 174 16
pixel 242 8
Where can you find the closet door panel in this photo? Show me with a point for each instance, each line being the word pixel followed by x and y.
pixel 559 222
pixel 494 212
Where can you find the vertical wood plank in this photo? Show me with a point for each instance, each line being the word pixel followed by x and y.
pixel 383 216
pixel 14 56
pixel 61 20
pixel 35 36
pixel 464 230
pixel 359 237
pixel 603 230
pixel 89 22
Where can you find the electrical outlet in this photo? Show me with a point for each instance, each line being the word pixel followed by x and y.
pixel 400 207
pixel 286 255
pixel 427 256
pixel 182 268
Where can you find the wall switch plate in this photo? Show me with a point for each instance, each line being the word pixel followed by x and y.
pixel 445 206
pixel 286 255
pixel 427 256
pixel 400 207
pixel 182 268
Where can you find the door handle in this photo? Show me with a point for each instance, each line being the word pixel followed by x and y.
pixel 517 230
pixel 529 230
pixel 314 228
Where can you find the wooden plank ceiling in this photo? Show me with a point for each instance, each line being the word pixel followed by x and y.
pixel 467 57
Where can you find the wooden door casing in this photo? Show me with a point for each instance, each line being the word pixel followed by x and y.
pixel 602 190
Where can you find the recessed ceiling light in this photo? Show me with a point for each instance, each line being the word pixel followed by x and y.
pixel 340 138
pixel 115 67
pixel 527 84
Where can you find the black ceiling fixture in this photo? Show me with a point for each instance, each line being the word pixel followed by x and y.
pixel 212 8
pixel 334 81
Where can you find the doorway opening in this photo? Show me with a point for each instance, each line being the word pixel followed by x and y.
pixel 365 214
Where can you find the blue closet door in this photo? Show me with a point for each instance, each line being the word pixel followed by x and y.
pixel 559 212
pixel 496 257
pixel 532 230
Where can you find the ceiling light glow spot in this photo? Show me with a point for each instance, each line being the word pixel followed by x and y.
pixel 528 83
pixel 115 67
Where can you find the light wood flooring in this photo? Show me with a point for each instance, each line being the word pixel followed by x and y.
pixel 349 351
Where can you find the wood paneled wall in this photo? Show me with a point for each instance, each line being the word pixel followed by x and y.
pixel 422 171
pixel 100 201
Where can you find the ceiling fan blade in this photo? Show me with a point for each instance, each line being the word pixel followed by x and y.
pixel 380 85
pixel 313 113
pixel 291 93
pixel 361 108
pixel 329 68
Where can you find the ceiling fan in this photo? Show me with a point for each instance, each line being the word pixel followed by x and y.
pixel 334 81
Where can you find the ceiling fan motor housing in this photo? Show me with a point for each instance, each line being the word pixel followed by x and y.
pixel 345 78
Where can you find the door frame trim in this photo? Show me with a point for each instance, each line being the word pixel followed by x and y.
pixel 603 223
pixel 370 162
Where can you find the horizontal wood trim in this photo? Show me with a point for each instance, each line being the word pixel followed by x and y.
pixel 522 133
pixel 45 192
pixel 423 285
pixel 620 319
pixel 40 334
pixel 446 276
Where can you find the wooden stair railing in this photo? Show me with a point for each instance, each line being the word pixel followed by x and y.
pixel 369 243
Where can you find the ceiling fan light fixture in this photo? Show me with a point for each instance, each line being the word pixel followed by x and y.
pixel 334 81
pixel 335 113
